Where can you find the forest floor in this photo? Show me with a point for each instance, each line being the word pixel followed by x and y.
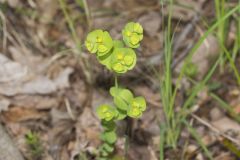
pixel 50 87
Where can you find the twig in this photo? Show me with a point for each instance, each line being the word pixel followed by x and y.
pixel 214 129
pixel 4 29
pixel 69 110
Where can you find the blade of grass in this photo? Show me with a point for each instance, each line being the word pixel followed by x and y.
pixel 226 107
pixel 221 29
pixel 195 135
pixel 182 115
pixel 199 43
pixel 198 88
pixel 70 25
pixel 162 141
pixel 188 59
pixel 84 4
pixel 231 61
pixel 236 47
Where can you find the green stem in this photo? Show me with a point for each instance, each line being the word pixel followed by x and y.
pixel 126 146
pixel 70 25
pixel 116 81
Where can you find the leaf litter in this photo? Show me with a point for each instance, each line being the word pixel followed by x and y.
pixel 34 86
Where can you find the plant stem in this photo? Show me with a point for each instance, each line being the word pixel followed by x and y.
pixel 126 146
pixel 116 81
pixel 70 25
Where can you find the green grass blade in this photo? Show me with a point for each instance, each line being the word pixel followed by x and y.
pixel 195 135
pixel 231 61
pixel 162 141
pixel 226 107
pixel 70 25
pixel 200 85
pixel 200 41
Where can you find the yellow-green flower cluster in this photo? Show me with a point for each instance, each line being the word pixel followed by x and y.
pixel 127 104
pixel 112 53
pixel 132 34
pixel 136 107
pixel 106 112
pixel 99 42
pixel 123 59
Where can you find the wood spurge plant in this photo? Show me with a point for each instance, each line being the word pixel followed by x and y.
pixel 119 57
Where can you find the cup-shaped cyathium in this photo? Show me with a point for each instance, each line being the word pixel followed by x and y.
pixel 136 107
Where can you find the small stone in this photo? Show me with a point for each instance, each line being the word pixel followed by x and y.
pixel 216 114
pixel 191 148
pixel 199 157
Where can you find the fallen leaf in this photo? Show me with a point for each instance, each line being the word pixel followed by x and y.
pixel 11 71
pixel 4 104
pixel 204 56
pixel 151 23
pixel 16 79
pixel 226 124
pixel 35 101
pixel 237 109
pixel 18 114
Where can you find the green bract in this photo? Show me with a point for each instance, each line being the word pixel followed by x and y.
pixel 108 125
pixel 107 147
pixel 122 60
pixel 136 107
pixel 106 59
pixel 99 42
pixel 106 112
pixel 109 137
pixel 121 97
pixel 132 34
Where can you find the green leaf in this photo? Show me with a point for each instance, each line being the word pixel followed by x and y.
pixel 120 103
pixel 118 44
pixel 121 114
pixel 109 137
pixel 104 153
pixel 106 60
pixel 122 97
pixel 123 93
pixel 132 34
pixel 109 125
pixel 108 147
pixel 114 91
pixel 102 158
pixel 126 95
